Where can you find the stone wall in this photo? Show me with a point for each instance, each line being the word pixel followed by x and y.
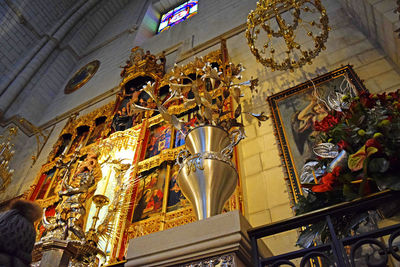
pixel 266 196
pixel 378 21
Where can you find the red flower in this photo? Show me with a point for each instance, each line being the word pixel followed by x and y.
pixel 321 188
pixel 342 144
pixel 366 99
pixel 326 185
pixel 395 95
pixel 336 171
pixel 327 180
pixel 372 142
pixel 327 123
pixel 382 98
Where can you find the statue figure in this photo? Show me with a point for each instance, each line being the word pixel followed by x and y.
pixel 125 68
pixel 162 63
pixel 71 211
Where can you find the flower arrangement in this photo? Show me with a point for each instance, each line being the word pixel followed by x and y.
pixel 358 152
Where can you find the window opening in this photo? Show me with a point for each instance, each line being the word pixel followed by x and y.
pixel 178 14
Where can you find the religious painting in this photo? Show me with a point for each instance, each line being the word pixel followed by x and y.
pixel 180 135
pixel 56 185
pixel 82 76
pixel 159 139
pixel 122 120
pixel 47 179
pixel 176 199
pixel 149 194
pixel 97 130
pixel 294 112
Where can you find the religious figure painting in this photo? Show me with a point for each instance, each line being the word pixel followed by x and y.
pixel 295 110
pixel 176 199
pixel 160 139
pixel 82 76
pixel 149 194
pixel 47 178
pixel 56 184
pixel 180 135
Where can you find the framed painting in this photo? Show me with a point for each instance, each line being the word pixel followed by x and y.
pixel 294 111
pixel 150 193
pixel 81 77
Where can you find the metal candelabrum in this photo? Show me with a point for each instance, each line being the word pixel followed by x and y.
pixel 207 177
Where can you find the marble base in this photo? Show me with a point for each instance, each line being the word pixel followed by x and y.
pixel 213 240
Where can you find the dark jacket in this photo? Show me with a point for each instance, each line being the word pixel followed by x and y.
pixel 17 238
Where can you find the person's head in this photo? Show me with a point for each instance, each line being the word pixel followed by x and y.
pixel 147 52
pixel 29 209
pixel 123 109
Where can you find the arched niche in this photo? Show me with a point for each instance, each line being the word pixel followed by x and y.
pixel 97 129
pixel 81 135
pixel 60 146
pixel 126 116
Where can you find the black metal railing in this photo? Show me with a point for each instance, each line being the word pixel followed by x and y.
pixel 341 252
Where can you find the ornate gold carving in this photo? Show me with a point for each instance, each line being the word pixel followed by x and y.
pixel 165 155
pixel 191 67
pixel 142 64
pixel 44 203
pixel 155 120
pixel 145 227
pixel 89 119
pixel 85 120
pixel 6 154
pixel 179 217
pixel 155 224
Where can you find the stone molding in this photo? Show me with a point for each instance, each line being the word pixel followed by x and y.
pixel 218 235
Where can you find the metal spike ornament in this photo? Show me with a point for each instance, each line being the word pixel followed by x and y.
pixel 293 32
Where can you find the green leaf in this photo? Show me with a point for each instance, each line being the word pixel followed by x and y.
pixel 388 181
pixel 348 192
pixel 371 150
pixel 356 160
pixel 378 165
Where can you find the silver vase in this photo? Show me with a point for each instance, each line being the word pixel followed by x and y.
pixel 207 177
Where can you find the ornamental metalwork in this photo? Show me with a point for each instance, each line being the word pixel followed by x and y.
pixel 6 154
pixel 287 34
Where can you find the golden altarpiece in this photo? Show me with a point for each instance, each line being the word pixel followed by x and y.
pixel 136 193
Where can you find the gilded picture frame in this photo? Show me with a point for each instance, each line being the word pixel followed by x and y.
pixel 82 76
pixel 293 126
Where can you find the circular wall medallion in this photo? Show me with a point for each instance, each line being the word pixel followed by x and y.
pixel 82 76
